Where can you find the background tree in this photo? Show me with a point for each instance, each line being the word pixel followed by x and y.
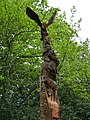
pixel 20 61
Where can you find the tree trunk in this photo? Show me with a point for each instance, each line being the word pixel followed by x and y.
pixel 49 101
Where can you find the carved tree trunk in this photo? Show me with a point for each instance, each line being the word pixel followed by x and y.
pixel 49 101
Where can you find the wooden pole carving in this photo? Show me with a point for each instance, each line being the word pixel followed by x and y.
pixel 49 101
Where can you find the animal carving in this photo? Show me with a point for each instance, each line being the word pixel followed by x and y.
pixel 49 57
pixel 50 82
pixel 35 17
pixel 49 102
pixel 52 85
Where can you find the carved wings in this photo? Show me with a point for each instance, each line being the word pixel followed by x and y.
pixel 50 21
pixel 35 17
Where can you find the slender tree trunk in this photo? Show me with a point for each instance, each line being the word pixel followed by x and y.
pixel 49 101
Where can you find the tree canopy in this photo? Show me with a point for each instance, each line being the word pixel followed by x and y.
pixel 21 59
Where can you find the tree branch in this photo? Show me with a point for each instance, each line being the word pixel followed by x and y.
pixel 31 56
pixel 29 94
pixel 21 33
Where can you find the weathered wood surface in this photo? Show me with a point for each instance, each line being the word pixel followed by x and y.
pixel 48 77
pixel 49 100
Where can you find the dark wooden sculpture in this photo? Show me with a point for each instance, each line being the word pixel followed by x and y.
pixel 49 101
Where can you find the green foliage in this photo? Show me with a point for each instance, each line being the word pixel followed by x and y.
pixel 20 62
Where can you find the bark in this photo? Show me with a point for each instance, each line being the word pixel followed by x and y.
pixel 49 100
